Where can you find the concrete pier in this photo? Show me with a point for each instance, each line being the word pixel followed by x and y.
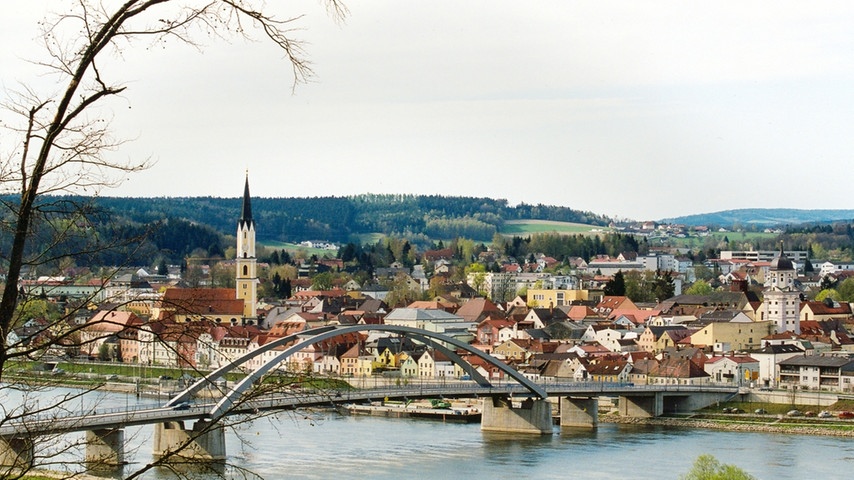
pixel 579 412
pixel 641 406
pixel 105 447
pixel 16 452
pixel 528 415
pixel 204 442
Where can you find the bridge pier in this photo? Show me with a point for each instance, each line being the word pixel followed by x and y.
pixel 16 452
pixel 206 441
pixel 641 406
pixel 105 446
pixel 579 412
pixel 502 414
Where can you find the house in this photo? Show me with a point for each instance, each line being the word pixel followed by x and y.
pixel 608 337
pixel 356 362
pixel 769 356
pixel 828 332
pixel 817 372
pixel 632 317
pixel 677 371
pixel 609 369
pixel 434 364
pixel 437 255
pixel 651 334
pixel 330 362
pixel 640 370
pixel 219 305
pixel 577 313
pixel 489 333
pixel 817 311
pixel 741 370
pixel 731 336
pixel 105 326
pixel 670 338
pixel 514 349
pixel 611 303
pixel 478 309
pixel 558 366
pixel 542 317
pixel 438 321
pixel 539 297
pixel 409 364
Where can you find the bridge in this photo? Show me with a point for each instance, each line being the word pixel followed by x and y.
pixel 577 403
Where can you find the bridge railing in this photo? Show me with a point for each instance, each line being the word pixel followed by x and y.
pixel 148 413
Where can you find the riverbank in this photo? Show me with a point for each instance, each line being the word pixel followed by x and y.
pixel 751 424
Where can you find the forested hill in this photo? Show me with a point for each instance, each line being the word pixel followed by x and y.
pixel 763 217
pixel 340 218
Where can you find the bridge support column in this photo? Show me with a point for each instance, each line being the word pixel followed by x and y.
pixel 642 406
pixel 525 416
pixel 16 452
pixel 105 446
pixel 203 442
pixel 579 412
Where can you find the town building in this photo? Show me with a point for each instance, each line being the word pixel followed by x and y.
pixel 247 273
pixel 782 301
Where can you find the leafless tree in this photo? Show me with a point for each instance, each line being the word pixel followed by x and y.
pixel 60 142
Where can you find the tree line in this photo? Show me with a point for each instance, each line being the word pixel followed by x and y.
pixel 340 219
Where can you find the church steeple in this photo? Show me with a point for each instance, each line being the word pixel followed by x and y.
pixel 247 277
pixel 246 212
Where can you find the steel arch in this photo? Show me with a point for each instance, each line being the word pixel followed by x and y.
pixel 318 334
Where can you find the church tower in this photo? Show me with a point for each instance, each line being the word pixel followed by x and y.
pixel 247 277
pixel 782 300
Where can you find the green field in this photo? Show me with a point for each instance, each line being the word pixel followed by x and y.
pixel 714 238
pixel 528 227
pixel 293 248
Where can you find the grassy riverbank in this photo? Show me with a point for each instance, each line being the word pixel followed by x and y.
pixel 773 418
pixel 117 377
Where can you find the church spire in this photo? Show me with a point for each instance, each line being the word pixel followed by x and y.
pixel 247 276
pixel 246 212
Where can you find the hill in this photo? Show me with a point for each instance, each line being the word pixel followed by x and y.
pixel 341 219
pixel 763 217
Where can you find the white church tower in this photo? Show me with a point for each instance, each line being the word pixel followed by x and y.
pixel 782 302
pixel 247 276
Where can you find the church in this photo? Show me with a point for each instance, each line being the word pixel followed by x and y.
pixel 220 305
pixel 246 263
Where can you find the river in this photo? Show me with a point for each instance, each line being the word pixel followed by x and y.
pixel 322 445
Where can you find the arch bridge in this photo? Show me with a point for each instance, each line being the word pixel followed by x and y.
pixel 578 403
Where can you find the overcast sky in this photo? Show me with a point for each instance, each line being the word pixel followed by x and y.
pixel 634 109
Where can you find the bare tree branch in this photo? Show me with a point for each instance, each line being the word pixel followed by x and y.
pixel 61 138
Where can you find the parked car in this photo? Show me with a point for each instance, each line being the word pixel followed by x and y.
pixel 825 414
pixel 846 415
pixel 760 411
pixel 795 413
pixel 809 413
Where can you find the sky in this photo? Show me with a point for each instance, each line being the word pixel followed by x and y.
pixel 639 110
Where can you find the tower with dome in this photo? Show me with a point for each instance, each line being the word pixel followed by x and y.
pixel 782 300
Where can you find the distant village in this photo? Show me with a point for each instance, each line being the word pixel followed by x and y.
pixel 756 329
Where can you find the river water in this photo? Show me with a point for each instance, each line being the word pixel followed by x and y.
pixel 323 445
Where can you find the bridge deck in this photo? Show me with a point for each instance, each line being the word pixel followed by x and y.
pixel 122 417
